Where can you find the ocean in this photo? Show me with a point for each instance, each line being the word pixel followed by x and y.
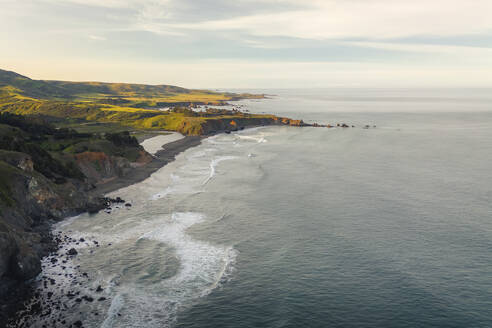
pixel 277 226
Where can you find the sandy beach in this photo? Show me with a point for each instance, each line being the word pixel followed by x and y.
pixel 154 144
pixel 174 143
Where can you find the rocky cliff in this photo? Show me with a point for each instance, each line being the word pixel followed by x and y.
pixel 39 187
pixel 224 124
pixel 29 202
pixel 99 167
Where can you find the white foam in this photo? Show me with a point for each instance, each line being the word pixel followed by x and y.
pixel 116 306
pixel 219 140
pixel 67 221
pixel 163 193
pixel 203 266
pixel 214 164
pixel 258 139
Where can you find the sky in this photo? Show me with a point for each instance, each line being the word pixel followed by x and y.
pixel 251 43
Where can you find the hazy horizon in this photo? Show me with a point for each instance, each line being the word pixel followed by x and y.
pixel 251 44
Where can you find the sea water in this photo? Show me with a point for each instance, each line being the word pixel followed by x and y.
pixel 389 226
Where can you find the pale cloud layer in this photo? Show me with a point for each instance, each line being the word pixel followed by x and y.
pixel 377 19
pixel 251 43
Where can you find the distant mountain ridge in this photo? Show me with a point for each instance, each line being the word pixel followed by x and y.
pixel 49 89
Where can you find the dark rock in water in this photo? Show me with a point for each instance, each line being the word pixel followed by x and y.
pixel 227 132
pixel 128 205
pixel 82 240
pixel 88 298
pixel 99 289
pixel 100 299
pixel 72 252
pixel 99 204
pixel 78 323
pixel 119 200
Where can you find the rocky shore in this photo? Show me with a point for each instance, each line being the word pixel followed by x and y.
pixel 161 158
pixel 25 232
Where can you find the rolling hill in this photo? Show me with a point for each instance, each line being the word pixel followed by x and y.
pixel 131 105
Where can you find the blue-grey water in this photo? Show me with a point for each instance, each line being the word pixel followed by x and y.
pixel 307 227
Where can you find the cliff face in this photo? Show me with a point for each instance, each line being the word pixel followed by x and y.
pixel 45 175
pixel 99 167
pixel 30 202
pixel 211 126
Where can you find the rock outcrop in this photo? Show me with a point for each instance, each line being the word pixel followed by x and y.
pixel 100 167
pixel 30 202
pixel 212 126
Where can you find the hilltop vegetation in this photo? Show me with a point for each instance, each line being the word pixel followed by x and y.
pixel 132 95
pixel 132 105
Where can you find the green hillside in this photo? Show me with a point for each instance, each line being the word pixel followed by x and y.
pixel 139 95
pixel 130 105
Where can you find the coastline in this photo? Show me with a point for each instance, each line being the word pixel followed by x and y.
pixel 161 158
pixel 25 292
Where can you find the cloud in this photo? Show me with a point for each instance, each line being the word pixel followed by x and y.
pixel 308 19
pixel 374 19
pixel 100 3
pixel 463 52
pixel 97 38
pixel 258 42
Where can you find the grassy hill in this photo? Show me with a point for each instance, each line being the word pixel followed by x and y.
pixel 133 95
pixel 132 105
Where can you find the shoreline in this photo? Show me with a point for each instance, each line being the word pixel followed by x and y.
pixel 28 295
pixel 161 158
